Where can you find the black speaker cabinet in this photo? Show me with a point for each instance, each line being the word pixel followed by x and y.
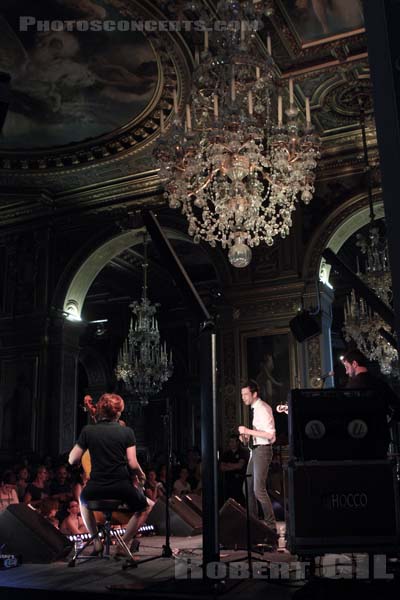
pixel 342 506
pixel 337 425
pixel 304 326
pixel 233 527
pixel 26 533
pixel 184 520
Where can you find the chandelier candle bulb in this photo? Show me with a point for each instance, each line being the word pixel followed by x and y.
pixel 291 92
pixel 233 88
pixel 269 45
pixel 215 99
pixel 196 56
pixel 258 73
pixel 308 111
pixel 280 111
pixel 205 41
pixel 250 99
pixel 242 30
pixel 188 118
pixel 175 100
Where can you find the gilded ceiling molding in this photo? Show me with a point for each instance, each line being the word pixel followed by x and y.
pixel 132 193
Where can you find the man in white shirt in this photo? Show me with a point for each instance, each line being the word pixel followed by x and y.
pixel 263 433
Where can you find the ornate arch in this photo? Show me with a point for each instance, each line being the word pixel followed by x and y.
pixel 87 271
pixel 336 229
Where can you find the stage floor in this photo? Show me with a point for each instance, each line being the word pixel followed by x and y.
pixel 162 577
pixel 94 578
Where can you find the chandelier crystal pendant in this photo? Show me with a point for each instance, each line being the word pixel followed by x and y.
pixel 234 171
pixel 143 363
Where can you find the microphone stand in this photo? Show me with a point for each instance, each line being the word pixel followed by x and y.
pixel 249 543
pixel 248 528
pixel 166 549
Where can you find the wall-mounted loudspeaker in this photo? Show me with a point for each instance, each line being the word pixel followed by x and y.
pixel 304 326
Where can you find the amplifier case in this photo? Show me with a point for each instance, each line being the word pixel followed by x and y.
pixel 338 506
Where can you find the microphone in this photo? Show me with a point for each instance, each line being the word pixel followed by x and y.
pixel 326 375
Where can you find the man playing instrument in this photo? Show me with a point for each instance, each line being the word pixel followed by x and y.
pixel 263 434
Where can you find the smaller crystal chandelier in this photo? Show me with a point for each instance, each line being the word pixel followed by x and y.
pixel 143 363
pixel 364 327
pixel 361 324
pixel 235 172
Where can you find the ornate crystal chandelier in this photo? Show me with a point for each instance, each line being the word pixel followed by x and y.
pixel 234 171
pixel 361 324
pixel 143 363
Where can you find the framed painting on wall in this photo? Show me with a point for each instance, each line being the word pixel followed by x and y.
pixel 323 20
pixel 269 361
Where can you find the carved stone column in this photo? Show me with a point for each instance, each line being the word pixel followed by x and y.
pixel 61 401
pixel 317 352
pixel 229 412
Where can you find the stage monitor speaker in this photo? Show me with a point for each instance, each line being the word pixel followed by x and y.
pixel 26 533
pixel 233 527
pixel 337 424
pixel 195 502
pixel 304 326
pixel 184 520
pixel 341 506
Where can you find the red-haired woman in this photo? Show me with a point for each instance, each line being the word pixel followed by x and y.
pixel 112 449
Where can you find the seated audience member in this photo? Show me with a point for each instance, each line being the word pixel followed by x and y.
pixel 152 488
pixel 49 509
pixel 199 487
pixel 38 489
pixel 8 493
pixel 22 482
pixel 162 478
pixel 192 463
pixel 60 487
pixel 48 463
pixel 233 465
pixel 73 523
pixel 181 485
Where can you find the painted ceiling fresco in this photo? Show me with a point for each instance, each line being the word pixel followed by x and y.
pixel 93 98
pixel 69 86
